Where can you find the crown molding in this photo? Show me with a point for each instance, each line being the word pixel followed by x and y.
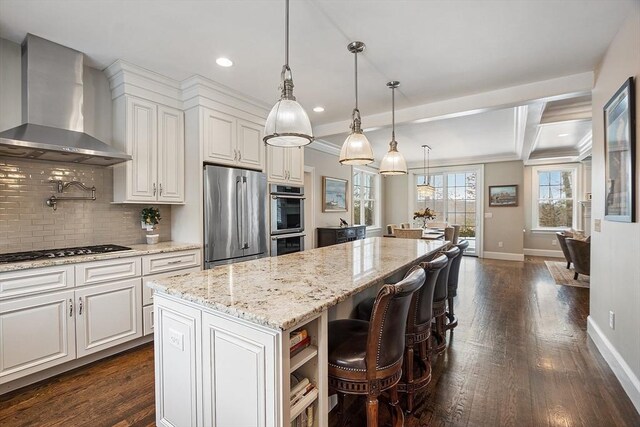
pixel 324 147
pixel 495 158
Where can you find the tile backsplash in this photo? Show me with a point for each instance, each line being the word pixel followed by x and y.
pixel 27 223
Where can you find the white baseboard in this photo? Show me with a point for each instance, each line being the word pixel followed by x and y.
pixel 503 255
pixel 630 383
pixel 543 252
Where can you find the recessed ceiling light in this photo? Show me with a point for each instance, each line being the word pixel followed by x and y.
pixel 563 134
pixel 318 109
pixel 224 62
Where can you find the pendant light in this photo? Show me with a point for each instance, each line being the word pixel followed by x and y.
pixel 426 190
pixel 356 149
pixel 393 162
pixel 288 124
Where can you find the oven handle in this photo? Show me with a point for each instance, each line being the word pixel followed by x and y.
pixel 275 197
pixel 284 236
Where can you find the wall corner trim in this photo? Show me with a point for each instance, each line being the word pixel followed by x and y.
pixel 503 256
pixel 543 252
pixel 630 383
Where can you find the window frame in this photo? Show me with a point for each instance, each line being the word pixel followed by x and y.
pixel 376 200
pixel 535 194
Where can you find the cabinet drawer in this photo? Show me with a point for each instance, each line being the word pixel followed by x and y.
pixel 147 292
pixel 161 263
pixel 38 280
pixel 107 271
pixel 147 320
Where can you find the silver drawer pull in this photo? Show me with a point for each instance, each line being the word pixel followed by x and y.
pixel 70 307
pixel 174 262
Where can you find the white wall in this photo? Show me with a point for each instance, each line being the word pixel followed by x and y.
pixel 10 86
pixel 395 200
pixel 615 251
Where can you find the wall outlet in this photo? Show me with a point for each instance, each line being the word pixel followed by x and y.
pixel 176 339
pixel 488 214
pixel 612 320
pixel 554 242
pixel 500 244
pixel 596 225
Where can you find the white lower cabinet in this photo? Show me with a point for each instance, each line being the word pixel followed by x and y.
pixel 240 384
pixel 108 315
pixel 36 333
pixel 147 320
pixel 177 364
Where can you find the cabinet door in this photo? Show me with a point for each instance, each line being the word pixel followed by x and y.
pixel 107 315
pixel 219 134
pixel 250 145
pixel 36 333
pixel 177 364
pixel 277 164
pixel 296 165
pixel 142 142
pixel 239 369
pixel 170 155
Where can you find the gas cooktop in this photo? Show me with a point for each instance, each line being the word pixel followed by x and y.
pixel 60 253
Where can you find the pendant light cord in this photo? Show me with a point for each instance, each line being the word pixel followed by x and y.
pixel 393 113
pixel 356 67
pixel 286 34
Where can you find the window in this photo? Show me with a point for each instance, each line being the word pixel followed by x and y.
pixel 455 201
pixel 554 189
pixel 366 198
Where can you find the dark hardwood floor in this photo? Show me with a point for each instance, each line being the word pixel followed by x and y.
pixel 519 357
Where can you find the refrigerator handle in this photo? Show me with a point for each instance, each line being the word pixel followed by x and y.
pixel 239 215
pixel 245 229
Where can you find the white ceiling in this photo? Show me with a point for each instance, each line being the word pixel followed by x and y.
pixel 487 135
pixel 438 49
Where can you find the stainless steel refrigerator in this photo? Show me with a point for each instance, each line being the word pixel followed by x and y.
pixel 235 215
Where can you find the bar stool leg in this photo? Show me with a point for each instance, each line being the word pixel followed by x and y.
pixel 397 416
pixel 409 376
pixel 372 411
pixel 341 419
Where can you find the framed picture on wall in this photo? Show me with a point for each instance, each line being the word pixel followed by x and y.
pixel 620 148
pixel 503 195
pixel 334 194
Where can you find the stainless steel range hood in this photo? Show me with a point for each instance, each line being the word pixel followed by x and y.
pixel 52 102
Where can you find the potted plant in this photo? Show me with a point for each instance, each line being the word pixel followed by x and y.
pixel 149 219
pixel 424 214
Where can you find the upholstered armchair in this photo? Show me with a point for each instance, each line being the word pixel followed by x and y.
pixel 580 253
pixel 563 245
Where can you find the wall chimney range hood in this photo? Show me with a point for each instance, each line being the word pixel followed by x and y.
pixel 52 103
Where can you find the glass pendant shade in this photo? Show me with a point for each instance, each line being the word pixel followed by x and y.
pixel 356 150
pixel 393 162
pixel 288 125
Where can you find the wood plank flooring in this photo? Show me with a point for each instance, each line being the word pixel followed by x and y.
pixel 519 357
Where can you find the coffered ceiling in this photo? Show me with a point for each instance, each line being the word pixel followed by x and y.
pixel 439 50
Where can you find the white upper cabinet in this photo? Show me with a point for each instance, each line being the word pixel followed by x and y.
pixel 286 165
pixel 232 141
pixel 153 135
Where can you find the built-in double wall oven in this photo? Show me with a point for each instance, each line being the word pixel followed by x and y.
pixel 287 219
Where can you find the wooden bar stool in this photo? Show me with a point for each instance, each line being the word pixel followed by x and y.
pixel 365 358
pixel 417 375
pixel 440 301
pixel 452 284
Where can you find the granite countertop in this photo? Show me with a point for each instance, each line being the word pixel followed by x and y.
pixel 280 292
pixel 136 250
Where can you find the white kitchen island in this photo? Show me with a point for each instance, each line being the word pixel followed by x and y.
pixel 222 335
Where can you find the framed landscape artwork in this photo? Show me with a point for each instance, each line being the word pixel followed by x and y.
pixel 620 146
pixel 334 194
pixel 503 195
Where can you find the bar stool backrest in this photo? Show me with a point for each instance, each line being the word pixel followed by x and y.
pixel 385 343
pixel 454 271
pixel 421 311
pixel 440 293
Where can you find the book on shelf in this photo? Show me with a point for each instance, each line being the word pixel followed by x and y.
pixel 300 346
pixel 305 419
pixel 297 336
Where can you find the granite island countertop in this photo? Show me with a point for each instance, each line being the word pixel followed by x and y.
pixel 280 292
pixel 136 250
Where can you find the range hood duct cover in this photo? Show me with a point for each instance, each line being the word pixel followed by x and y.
pixel 52 109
